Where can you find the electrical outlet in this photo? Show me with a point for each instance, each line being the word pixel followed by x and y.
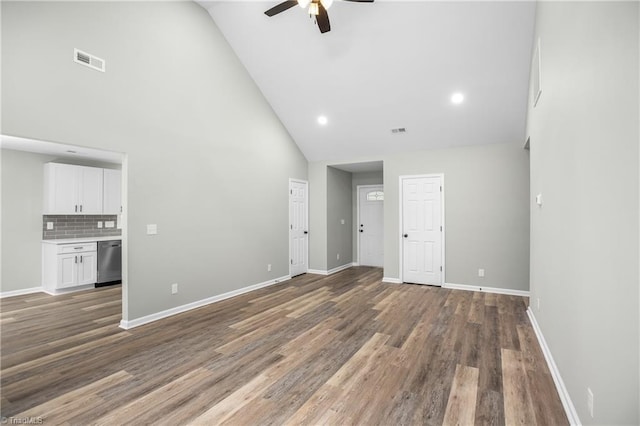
pixel 590 402
pixel 481 273
pixel 99 225
pixel 109 224
pixel 152 229
pixel 338 256
pixel 341 221
pixel 174 288
pixel 269 267
pixel 49 226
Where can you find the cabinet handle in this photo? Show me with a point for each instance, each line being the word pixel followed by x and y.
pixel 80 207
pixel 76 259
pixel 76 208
pixel 80 259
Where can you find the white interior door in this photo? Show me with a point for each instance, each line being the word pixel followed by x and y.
pixel 370 225
pixel 299 227
pixel 422 230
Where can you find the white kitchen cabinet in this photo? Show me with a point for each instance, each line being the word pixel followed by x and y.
pixel 65 266
pixel 112 180
pixel 70 189
pixel 90 190
pixel 88 268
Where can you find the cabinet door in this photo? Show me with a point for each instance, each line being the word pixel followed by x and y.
pixel 61 189
pixel 90 190
pixel 87 267
pixel 67 270
pixel 112 192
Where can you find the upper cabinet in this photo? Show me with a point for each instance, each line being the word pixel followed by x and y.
pixel 112 192
pixel 70 189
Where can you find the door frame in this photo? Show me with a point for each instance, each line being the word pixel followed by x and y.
pixel 306 248
pixel 400 222
pixel 357 227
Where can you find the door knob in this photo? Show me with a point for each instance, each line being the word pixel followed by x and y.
pixel 361 230
pixel 406 235
pixel 306 232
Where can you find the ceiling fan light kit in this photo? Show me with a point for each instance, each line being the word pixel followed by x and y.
pixel 316 8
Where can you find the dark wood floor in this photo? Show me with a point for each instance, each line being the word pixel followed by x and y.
pixel 344 349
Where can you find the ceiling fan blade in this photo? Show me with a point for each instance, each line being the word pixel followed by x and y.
pixel 323 19
pixel 285 5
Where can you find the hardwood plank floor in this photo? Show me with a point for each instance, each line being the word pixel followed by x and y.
pixel 343 349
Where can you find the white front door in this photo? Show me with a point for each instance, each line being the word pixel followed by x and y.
pixel 298 227
pixel 370 225
pixel 422 228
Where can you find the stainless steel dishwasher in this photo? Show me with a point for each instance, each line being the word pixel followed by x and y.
pixel 109 262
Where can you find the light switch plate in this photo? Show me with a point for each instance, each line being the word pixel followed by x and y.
pixel 49 226
pixel 99 224
pixel 152 229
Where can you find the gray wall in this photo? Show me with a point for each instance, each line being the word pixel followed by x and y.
pixel 339 236
pixel 22 196
pixel 360 178
pixel 208 160
pixel 318 216
pixel 486 211
pixel 584 239
pixel 22 179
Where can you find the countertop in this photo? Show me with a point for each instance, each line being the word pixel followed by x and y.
pixel 83 240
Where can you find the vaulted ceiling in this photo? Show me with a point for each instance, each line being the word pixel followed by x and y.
pixel 388 65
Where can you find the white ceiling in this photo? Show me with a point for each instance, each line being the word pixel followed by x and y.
pixel 387 65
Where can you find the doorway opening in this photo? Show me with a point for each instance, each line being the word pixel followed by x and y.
pixel 82 170
pixel 370 224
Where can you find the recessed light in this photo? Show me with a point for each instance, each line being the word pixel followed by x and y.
pixel 457 98
pixel 322 120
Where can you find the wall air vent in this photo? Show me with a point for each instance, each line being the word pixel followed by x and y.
pixel 88 60
pixel 399 130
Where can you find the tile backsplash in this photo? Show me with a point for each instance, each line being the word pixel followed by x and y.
pixel 79 226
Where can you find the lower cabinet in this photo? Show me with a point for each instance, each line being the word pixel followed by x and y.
pixel 65 266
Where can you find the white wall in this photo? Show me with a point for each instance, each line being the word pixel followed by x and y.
pixel 208 160
pixel 584 239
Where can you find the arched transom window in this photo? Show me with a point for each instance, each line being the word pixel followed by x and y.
pixel 375 196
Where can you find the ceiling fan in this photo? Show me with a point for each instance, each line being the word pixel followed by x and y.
pixel 316 8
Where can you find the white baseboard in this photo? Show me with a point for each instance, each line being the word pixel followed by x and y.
pixel 339 268
pixel 69 290
pixel 496 290
pixel 355 264
pixel 330 271
pixel 197 304
pixel 391 280
pixel 21 292
pixel 569 409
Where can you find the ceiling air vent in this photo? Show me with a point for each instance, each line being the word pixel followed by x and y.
pixel 88 60
pixel 399 130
